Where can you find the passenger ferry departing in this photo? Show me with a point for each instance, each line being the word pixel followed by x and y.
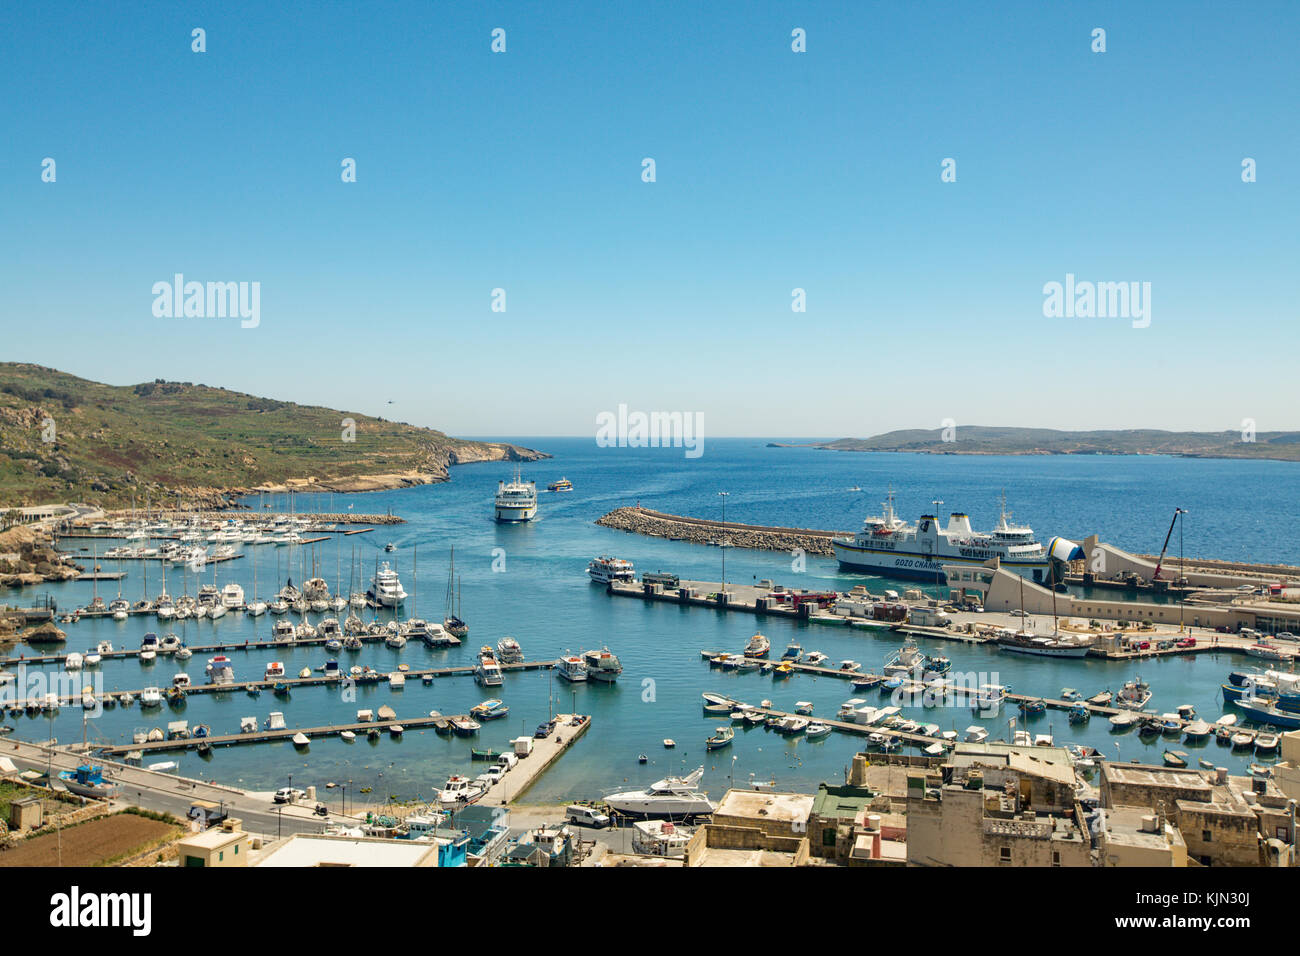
pixel 887 545
pixel 516 500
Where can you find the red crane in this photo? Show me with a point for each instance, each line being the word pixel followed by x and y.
pixel 1161 560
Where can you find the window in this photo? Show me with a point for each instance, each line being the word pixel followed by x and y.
pixel 1207 836
pixel 221 855
pixel 1004 854
pixel 1056 858
pixel 236 849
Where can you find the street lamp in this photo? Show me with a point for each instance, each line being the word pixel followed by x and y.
pixel 724 495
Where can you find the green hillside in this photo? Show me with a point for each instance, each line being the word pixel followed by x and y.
pixel 112 442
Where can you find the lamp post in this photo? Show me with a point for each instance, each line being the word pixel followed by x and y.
pixel 1182 569
pixel 724 495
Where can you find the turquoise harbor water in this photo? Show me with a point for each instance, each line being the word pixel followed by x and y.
pixel 1238 510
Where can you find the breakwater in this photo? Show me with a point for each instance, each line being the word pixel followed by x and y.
pixel 702 531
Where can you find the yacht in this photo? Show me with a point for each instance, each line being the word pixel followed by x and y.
pixel 1027 642
pixel 488 672
pixel 220 670
pixel 516 500
pixel 670 797
pixel 460 790
pixel 386 588
pixel 509 651
pixel 232 597
pixel 606 570
pixel 602 665
pixel 572 668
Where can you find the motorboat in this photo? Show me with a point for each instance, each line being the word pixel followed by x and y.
pixel 791 726
pixel 274 671
pixel 793 652
pixel 758 646
pixel 814 659
pixel 571 668
pixel 670 797
pixel 459 790
pixel 220 670
pixel 489 710
pixel 975 734
pixel 386 588
pixel 151 697
pixel 817 729
pixel 300 740
pixel 509 651
pixel 488 673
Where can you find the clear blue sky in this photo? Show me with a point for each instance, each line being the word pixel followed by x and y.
pixel 775 170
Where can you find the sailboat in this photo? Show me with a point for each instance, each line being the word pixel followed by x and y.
pixel 258 607
pixel 452 622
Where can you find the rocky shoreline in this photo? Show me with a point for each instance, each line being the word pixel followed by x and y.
pixel 656 524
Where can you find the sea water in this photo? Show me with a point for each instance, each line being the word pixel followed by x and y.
pixel 529 581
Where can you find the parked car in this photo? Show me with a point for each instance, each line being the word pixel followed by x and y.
pixel 1187 642
pixel 544 730
pixel 1144 645
pixel 289 795
pixel 587 816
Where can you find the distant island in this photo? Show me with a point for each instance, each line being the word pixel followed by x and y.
pixel 990 440
pixel 67 439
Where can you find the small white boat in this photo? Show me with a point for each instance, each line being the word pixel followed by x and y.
pixel 669 743
pixel 300 740
pixel 348 735
pixel 976 734
pixel 817 729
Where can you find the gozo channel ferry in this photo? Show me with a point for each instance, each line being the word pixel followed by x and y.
pixel 890 546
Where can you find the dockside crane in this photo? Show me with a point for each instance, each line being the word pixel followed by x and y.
pixel 1170 534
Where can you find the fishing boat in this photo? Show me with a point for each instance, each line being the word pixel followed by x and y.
pixel 782 670
pixel 791 726
pixel 151 697
pixel 1260 771
pixel 1198 730
pixel 1124 720
pixel 1134 695
pixel 1032 708
pixel 1266 742
pixel 722 737
pixel 1266 649
pixel 758 646
pixel 817 729
pixel 88 781
pixel 793 652
pixel 1175 758
pixel 484 754
pixel 602 665
pixel 1243 740
pixel 1079 714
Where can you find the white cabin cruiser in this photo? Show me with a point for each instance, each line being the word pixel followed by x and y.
pixel 672 796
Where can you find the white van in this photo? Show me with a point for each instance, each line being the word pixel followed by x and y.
pixel 507 761
pixel 587 816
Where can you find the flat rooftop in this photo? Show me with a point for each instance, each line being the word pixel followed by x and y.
pixel 308 850
pixel 1143 775
pixel 759 805
pixel 1124 827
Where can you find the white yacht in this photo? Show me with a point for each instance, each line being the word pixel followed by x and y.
pixel 509 651
pixel 232 597
pixel 516 500
pixel 386 588
pixel 488 673
pixel 605 570
pixel 672 796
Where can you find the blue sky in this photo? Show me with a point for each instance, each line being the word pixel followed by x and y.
pixel 775 170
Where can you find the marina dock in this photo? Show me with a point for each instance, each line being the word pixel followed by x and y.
pixel 569 728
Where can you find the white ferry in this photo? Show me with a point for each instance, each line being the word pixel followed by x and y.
pixel 605 570
pixel 516 500
pixel 890 546
pixel 386 588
